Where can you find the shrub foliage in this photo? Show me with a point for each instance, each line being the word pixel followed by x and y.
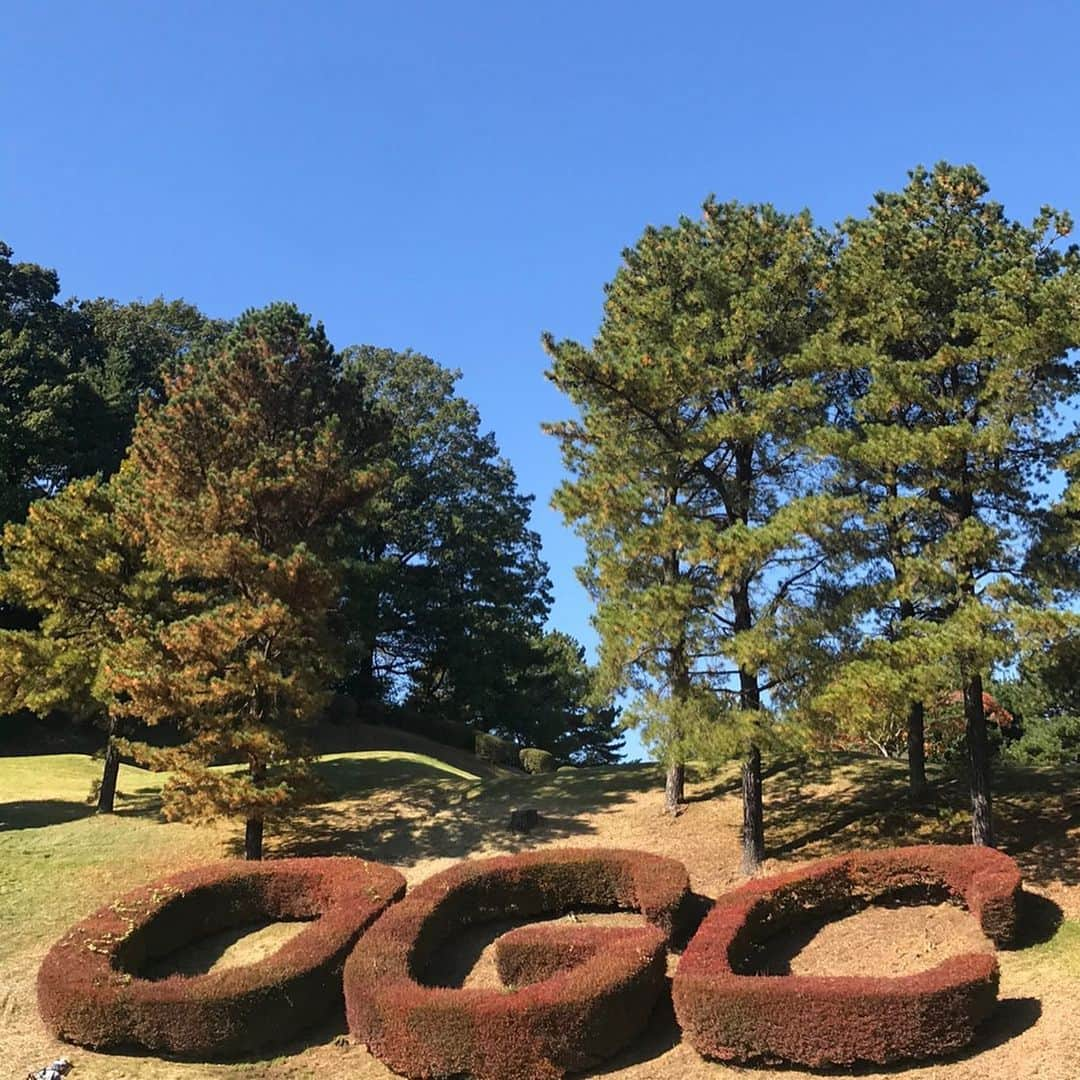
pixel 90 990
pixel 728 1012
pixel 536 761
pixel 569 1011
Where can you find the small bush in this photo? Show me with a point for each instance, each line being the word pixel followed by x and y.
pixel 536 761
pixel 90 992
pixel 728 1012
pixel 498 751
pixel 563 1018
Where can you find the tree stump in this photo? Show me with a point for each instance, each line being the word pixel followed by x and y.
pixel 524 819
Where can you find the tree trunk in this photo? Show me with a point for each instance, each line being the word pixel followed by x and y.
pixel 107 791
pixel 753 829
pixel 253 828
pixel 366 683
pixel 982 821
pixel 253 838
pixel 916 750
pixel 674 788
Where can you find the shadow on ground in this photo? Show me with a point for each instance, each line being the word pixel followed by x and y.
pixel 454 819
pixel 39 813
pixel 815 808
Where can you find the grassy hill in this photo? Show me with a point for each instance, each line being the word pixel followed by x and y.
pixel 418 810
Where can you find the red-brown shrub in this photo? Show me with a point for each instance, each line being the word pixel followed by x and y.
pixel 530 954
pixel 90 992
pixel 569 1019
pixel 728 1012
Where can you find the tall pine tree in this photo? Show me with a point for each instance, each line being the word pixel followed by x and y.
pixel 949 340
pixel 239 481
pixel 688 480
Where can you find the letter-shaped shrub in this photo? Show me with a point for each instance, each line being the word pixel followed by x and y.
pixel 565 1015
pixel 90 992
pixel 730 1013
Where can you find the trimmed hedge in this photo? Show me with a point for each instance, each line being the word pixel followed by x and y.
pixel 536 761
pixel 530 954
pixel 90 992
pixel 567 1017
pixel 498 751
pixel 728 1012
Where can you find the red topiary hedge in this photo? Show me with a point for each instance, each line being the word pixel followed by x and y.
pixel 90 992
pixel 567 1017
pixel 728 1012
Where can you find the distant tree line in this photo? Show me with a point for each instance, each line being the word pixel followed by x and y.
pixel 827 480
pixel 215 527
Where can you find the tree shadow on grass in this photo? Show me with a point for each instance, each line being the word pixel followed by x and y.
pixel 40 813
pixel 454 819
pixel 1036 811
pixel 819 807
pixel 1039 919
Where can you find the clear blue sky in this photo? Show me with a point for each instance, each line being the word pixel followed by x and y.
pixel 455 178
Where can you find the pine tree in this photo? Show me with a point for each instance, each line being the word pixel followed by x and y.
pixel 949 333
pixel 688 481
pixel 70 565
pixel 238 482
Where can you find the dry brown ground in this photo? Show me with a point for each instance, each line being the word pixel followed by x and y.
pixel 810 812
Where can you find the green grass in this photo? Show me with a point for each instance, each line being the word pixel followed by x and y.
pixel 359 771
pixel 1062 951
pixel 56 854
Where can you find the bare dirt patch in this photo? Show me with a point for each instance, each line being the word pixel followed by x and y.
pixel 232 948
pixel 886 941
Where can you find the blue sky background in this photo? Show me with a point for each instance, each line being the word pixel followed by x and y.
pixel 456 178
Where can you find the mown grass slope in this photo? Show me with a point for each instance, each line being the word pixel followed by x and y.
pixel 419 812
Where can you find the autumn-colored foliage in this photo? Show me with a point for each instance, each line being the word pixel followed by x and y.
pixel 90 990
pixel 729 1012
pixel 565 1015
pixel 236 484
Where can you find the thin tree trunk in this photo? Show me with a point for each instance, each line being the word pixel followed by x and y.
pixel 679 676
pixel 366 690
pixel 674 788
pixel 253 838
pixel 753 827
pixel 916 750
pixel 253 828
pixel 109 775
pixel 753 830
pixel 982 821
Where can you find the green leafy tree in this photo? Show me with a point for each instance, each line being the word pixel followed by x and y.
pixel 554 702
pixel 134 346
pixel 70 565
pixel 71 375
pixel 688 480
pixel 49 411
pixel 446 590
pixel 238 482
pixel 950 332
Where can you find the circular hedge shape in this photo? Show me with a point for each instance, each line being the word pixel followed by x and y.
pixel 728 1012
pixel 90 991
pixel 576 1009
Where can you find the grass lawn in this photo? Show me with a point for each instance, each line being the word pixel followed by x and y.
pixel 420 812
